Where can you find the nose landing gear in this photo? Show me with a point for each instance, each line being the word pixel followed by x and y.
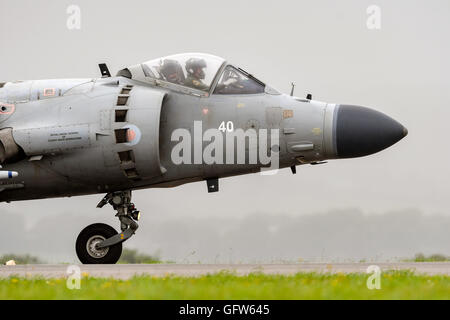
pixel 99 243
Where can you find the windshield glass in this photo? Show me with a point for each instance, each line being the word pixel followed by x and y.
pixel 194 70
pixel 235 81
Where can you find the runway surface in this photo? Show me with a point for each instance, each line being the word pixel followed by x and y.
pixel 125 271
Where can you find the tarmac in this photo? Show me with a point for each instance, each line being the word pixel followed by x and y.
pixel 126 271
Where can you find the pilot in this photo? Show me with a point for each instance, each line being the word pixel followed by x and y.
pixel 172 71
pixel 195 73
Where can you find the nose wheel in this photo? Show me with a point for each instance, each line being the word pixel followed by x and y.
pixel 87 245
pixel 100 243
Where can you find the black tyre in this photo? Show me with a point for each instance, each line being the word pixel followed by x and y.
pixel 89 237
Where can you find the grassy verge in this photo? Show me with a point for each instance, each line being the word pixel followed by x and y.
pixel 431 258
pixel 394 285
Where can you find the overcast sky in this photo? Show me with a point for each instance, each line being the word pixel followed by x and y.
pixel 324 46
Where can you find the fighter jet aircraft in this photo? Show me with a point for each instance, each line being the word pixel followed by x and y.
pixel 166 122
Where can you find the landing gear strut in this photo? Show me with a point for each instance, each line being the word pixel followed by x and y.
pixel 100 243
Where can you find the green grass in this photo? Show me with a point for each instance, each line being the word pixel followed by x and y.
pixel 133 256
pixel 394 285
pixel 20 259
pixel 420 257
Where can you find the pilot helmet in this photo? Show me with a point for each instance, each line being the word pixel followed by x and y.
pixel 194 67
pixel 170 68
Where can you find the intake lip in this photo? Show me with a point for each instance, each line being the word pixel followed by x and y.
pixel 361 131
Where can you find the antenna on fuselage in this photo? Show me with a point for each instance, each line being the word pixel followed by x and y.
pixel 292 88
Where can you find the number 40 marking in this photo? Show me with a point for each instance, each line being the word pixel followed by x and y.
pixel 228 126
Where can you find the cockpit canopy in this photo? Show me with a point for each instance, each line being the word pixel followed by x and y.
pixel 195 73
pixel 195 70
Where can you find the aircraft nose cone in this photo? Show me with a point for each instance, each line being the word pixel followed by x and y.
pixel 362 131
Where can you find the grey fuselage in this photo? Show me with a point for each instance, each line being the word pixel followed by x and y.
pixel 65 137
